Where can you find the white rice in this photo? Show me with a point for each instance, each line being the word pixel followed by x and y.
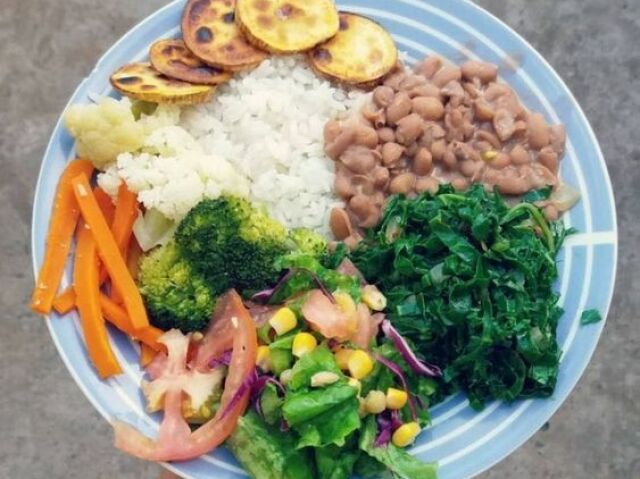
pixel 269 124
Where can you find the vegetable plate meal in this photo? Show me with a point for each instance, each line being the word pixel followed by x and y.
pixel 310 241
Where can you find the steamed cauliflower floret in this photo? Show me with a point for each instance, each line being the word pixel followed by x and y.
pixel 109 127
pixel 104 130
pixel 174 184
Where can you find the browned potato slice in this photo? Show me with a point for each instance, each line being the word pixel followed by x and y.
pixel 173 58
pixel 286 26
pixel 210 32
pixel 142 82
pixel 360 53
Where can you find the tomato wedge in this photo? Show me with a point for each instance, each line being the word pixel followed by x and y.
pixel 175 441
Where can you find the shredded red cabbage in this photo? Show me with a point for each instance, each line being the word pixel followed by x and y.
pixel 409 356
pixel 223 360
pixel 245 387
pixel 395 369
pixel 265 295
pixel 258 387
pixel 385 430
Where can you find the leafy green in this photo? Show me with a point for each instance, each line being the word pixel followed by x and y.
pixel 271 404
pixel 318 360
pixel 302 281
pixel 537 195
pixel 266 453
pixel 590 316
pixel 335 462
pixel 399 462
pixel 469 280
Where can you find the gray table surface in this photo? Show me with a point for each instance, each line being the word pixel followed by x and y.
pixel 49 430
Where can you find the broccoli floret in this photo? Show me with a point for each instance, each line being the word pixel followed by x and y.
pixel 232 243
pixel 308 242
pixel 175 294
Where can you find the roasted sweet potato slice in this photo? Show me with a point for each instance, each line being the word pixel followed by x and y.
pixel 287 26
pixel 173 59
pixel 361 53
pixel 210 32
pixel 143 82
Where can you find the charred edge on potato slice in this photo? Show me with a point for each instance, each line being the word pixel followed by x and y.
pixel 210 32
pixel 361 53
pixel 287 26
pixel 142 82
pixel 173 59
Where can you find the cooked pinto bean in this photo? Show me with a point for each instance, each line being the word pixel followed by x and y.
pixel 519 156
pixel 340 223
pixel 501 160
pixel 366 136
pixel 402 184
pixel 485 72
pixel 483 110
pixel 391 153
pixel 358 159
pixel 363 184
pixel 409 129
pixel 496 90
pixel 460 184
pixel 412 81
pixel 412 149
pixel 430 66
pixel 453 89
pixel 399 108
pixel 386 134
pixel 469 167
pixel 438 149
pixel 343 186
pixel 395 79
pixel 429 108
pixel 549 158
pixel 551 212
pixel 511 183
pixel 449 159
pixel 427 183
pixel 503 123
pixel 538 131
pixel 362 206
pixel 445 75
pixel 558 137
pixel 422 162
pixel 427 89
pixel 331 131
pixel 383 96
pixel 340 143
pixel 490 138
pixel 381 177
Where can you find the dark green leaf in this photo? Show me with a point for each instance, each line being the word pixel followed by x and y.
pixel 590 316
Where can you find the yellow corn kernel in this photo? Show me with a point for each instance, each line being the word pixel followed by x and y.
pixel 342 356
pixel 489 155
pixel 360 364
pixel 362 408
pixel 348 307
pixel 262 358
pixel 396 398
pixel 372 297
pixel 375 402
pixel 354 383
pixel 283 321
pixel 303 343
pixel 405 434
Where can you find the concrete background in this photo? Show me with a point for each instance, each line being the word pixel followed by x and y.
pixel 49 430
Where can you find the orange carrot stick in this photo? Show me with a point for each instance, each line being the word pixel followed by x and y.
pixel 146 355
pixel 118 317
pixel 64 219
pixel 85 279
pixel 66 301
pixel 109 253
pixel 122 227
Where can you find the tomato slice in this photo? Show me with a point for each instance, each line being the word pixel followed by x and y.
pixel 175 440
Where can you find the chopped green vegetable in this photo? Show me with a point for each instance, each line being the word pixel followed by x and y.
pixel 590 316
pixel 266 453
pixel 308 242
pixel 399 462
pixel 175 295
pixel 335 462
pixel 271 404
pixel 469 281
pixel 232 243
pixel 318 360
